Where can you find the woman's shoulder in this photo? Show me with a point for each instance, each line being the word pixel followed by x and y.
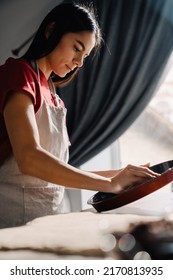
pixel 18 75
pixel 17 71
pixel 17 64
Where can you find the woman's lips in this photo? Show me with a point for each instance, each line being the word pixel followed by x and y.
pixel 69 68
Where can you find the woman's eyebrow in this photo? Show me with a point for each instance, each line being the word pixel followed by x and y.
pixel 82 44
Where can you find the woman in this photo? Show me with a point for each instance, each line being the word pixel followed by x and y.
pixel 33 137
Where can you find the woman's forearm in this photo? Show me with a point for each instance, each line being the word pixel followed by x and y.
pixel 107 173
pixel 41 164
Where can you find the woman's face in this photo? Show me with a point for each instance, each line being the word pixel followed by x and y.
pixel 70 52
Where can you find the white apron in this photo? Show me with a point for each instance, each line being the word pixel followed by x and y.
pixel 23 197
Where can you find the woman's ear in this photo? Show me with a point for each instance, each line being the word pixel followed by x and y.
pixel 49 29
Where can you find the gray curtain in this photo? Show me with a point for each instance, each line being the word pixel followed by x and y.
pixel 112 90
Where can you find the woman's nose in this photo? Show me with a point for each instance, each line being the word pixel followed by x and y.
pixel 78 61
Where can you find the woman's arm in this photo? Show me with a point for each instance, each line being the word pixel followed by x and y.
pixel 107 173
pixel 33 160
pixel 114 172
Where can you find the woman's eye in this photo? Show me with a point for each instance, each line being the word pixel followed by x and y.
pixel 76 49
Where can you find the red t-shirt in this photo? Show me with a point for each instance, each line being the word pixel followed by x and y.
pixel 18 75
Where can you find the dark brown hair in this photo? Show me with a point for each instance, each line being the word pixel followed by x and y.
pixel 66 17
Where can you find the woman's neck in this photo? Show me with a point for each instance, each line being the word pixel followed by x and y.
pixel 44 67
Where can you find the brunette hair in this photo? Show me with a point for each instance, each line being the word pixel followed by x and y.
pixel 64 18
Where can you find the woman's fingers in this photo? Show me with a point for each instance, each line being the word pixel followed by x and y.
pixel 132 175
pixel 141 171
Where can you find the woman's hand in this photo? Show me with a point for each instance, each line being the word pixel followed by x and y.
pixel 132 175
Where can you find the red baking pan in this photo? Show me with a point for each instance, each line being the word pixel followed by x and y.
pixel 102 201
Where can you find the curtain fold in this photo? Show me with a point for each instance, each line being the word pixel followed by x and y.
pixel 112 90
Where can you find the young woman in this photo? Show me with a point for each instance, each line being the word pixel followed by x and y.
pixel 34 142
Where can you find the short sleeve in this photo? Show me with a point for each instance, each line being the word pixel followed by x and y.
pixel 18 75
